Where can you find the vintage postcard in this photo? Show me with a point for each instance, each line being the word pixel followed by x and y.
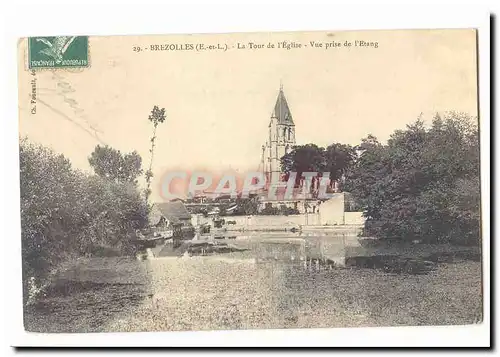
pixel 250 181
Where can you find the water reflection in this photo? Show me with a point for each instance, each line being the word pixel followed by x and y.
pixel 312 251
pixel 306 250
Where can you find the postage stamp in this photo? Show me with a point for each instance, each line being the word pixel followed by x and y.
pixel 58 52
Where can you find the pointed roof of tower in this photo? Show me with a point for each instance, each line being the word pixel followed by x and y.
pixel 281 110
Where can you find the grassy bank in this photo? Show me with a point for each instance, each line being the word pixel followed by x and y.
pixel 87 295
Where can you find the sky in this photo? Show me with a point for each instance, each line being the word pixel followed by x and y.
pixel 218 103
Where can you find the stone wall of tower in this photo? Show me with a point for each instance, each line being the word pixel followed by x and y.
pixel 282 139
pixel 286 139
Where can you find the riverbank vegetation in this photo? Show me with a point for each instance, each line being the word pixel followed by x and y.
pixel 423 184
pixel 66 213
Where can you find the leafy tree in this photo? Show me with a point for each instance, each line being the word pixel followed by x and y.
pixel 335 159
pixel 304 158
pixel 112 164
pixel 156 117
pixel 66 213
pixel 366 181
pixel 339 158
pixel 424 184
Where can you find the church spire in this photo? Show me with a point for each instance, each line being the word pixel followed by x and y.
pixel 281 110
pixel 281 137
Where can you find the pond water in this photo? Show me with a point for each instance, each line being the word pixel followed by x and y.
pixel 320 250
pixel 267 280
pixel 262 246
pixel 295 281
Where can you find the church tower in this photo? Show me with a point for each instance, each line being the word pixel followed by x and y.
pixel 281 137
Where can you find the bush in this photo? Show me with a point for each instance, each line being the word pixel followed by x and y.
pixel 66 213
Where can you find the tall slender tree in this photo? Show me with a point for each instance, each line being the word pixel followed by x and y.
pixel 156 117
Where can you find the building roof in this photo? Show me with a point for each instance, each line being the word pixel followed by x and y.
pixel 174 211
pixel 281 110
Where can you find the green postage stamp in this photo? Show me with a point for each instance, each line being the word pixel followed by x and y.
pixel 58 52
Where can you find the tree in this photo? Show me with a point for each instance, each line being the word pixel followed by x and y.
pixel 304 158
pixel 66 213
pixel 114 165
pixel 339 158
pixel 367 179
pixel 424 184
pixel 335 159
pixel 156 117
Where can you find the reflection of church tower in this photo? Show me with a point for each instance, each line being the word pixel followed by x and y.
pixel 281 137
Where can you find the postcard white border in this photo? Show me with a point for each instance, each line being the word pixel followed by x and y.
pixel 95 18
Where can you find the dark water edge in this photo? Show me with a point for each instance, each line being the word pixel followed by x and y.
pixel 89 295
pixel 399 264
